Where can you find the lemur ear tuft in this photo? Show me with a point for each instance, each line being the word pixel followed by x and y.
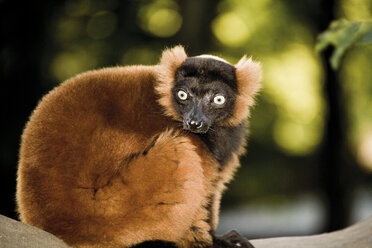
pixel 173 57
pixel 248 77
pixel 170 61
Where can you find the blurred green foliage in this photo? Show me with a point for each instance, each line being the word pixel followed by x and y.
pixel 343 34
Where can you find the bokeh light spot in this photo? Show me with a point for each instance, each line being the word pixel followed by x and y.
pixel 68 64
pixel 365 151
pixel 164 22
pixel 230 29
pixel 356 10
pixel 294 137
pixel 292 82
pixel 68 29
pixel 140 56
pixel 160 18
pixel 77 7
pixel 101 25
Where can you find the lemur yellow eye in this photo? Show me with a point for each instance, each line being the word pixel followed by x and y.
pixel 219 100
pixel 182 95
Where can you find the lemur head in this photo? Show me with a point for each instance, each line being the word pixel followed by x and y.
pixel 206 91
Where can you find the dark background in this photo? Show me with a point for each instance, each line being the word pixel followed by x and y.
pixel 309 152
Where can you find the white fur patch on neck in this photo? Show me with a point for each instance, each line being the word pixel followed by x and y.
pixel 207 56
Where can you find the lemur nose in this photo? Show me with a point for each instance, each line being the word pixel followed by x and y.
pixel 195 124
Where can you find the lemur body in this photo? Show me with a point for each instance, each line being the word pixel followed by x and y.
pixel 132 155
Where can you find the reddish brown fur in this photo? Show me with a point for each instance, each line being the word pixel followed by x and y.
pixel 102 164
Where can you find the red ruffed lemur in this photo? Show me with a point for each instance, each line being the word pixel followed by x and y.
pixel 138 156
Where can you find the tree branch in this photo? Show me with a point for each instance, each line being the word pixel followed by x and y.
pixel 14 234
pixel 358 235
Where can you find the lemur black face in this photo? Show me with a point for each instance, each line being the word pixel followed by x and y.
pixel 204 93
